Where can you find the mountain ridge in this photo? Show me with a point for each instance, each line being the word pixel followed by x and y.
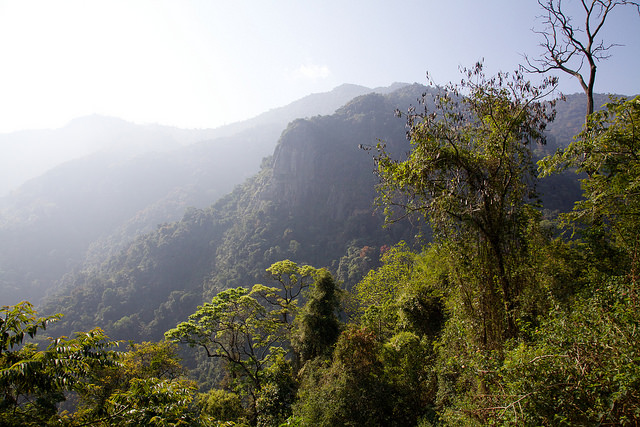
pixel 311 202
pixel 94 133
pixel 100 201
pixel 317 180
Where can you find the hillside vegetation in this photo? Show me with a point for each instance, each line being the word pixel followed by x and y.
pixel 376 271
pixel 312 202
pixel 105 181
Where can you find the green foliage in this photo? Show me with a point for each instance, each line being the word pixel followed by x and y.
pixel 153 401
pixel 146 388
pixel 152 360
pixel 405 294
pixel 356 263
pixel 607 152
pixel 376 295
pixel 583 367
pixel 32 381
pixel 470 174
pixel 318 326
pixel 580 365
pixel 142 386
pixel 18 320
pixel 576 361
pixel 422 310
pixel 470 159
pixel 278 394
pixel 145 361
pixel 252 331
pixel 368 382
pixel 380 286
pixel 237 329
pixel 351 390
pixel 221 405
pixel 292 278
pixel 292 281
pixel 408 362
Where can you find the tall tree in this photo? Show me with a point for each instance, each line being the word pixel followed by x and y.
pixel 568 46
pixel 470 173
pixel 318 326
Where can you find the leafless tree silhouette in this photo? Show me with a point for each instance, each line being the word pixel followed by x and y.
pixel 572 48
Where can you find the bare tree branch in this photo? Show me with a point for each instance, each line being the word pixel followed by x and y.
pixel 568 47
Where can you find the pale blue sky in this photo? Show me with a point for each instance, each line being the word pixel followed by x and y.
pixel 203 63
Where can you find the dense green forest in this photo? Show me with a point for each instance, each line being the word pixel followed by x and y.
pixel 312 202
pixel 464 254
pixel 500 319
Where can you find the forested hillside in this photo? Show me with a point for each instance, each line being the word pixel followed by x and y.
pixel 119 180
pixel 311 202
pixel 292 293
pixel 448 254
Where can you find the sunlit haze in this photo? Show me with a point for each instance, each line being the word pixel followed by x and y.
pixel 201 64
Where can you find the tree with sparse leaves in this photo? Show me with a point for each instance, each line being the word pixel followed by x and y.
pixel 571 47
pixel 470 173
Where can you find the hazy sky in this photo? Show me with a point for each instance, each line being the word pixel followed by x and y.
pixel 204 63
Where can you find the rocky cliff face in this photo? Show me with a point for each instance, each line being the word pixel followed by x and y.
pixel 294 164
pixel 319 166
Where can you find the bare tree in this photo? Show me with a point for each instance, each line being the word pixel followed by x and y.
pixel 570 47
